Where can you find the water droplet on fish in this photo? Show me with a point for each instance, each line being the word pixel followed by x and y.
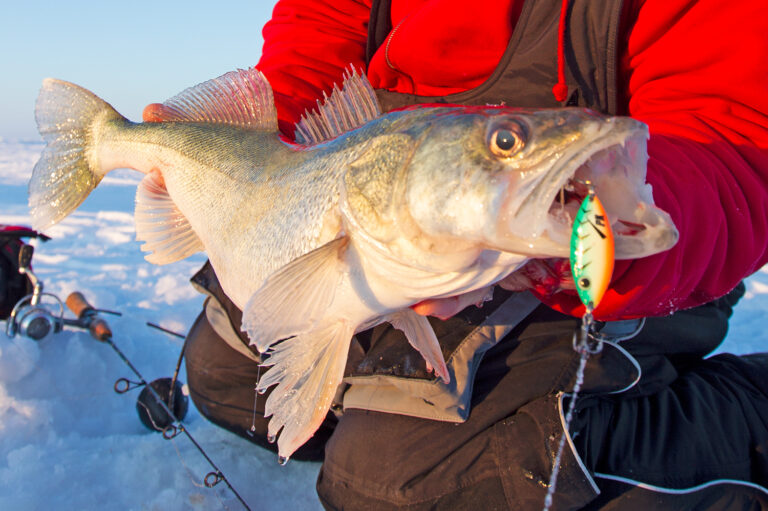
pixel 282 460
pixel 271 439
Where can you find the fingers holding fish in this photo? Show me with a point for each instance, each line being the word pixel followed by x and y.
pixel 154 112
pixel 544 276
pixel 444 308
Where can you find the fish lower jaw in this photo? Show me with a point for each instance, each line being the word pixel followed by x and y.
pixel 616 172
pixel 544 245
pixel 647 230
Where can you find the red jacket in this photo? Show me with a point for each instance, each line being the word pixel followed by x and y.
pixel 695 71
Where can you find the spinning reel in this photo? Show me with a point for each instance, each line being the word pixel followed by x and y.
pixel 31 317
pixel 39 315
pixel 162 404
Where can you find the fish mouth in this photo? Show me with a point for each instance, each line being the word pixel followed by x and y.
pixel 616 169
pixel 615 165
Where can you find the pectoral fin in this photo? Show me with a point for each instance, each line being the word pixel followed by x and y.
pixel 293 299
pixel 422 337
pixel 165 230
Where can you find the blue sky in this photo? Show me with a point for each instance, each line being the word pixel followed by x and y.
pixel 130 52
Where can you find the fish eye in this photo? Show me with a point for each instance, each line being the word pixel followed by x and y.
pixel 506 140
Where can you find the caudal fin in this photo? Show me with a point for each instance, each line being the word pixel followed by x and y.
pixel 66 172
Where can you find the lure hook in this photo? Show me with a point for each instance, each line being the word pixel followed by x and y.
pixel 586 338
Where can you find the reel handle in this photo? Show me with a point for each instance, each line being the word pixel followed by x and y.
pixel 87 316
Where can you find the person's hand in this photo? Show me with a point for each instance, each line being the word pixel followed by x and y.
pixel 543 276
pixel 153 113
pixel 444 308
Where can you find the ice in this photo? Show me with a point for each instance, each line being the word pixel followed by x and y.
pixel 67 440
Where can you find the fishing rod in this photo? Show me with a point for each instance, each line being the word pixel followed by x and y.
pixel 39 315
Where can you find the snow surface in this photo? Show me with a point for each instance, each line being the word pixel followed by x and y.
pixel 68 441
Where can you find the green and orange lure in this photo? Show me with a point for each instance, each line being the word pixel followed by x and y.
pixel 592 250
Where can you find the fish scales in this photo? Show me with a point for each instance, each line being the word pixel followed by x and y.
pixel 346 229
pixel 276 202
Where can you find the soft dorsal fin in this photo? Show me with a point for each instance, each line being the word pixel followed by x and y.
pixel 346 109
pixel 240 98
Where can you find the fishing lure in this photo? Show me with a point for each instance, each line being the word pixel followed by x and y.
pixel 592 250
pixel 592 257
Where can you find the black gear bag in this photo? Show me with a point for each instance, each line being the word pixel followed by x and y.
pixel 13 285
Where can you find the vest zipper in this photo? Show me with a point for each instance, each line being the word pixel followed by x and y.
pixel 389 40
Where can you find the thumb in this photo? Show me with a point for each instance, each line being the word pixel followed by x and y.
pixel 154 112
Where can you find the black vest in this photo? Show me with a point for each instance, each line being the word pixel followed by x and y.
pixel 528 69
pixel 524 77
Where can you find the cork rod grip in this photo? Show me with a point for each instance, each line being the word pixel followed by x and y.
pixel 77 303
pixel 85 312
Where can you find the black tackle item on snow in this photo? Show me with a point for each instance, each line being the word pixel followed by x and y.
pixel 13 285
pixel 151 412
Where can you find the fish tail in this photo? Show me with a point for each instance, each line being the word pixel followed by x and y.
pixel 68 118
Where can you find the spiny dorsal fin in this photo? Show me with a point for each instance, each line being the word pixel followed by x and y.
pixel 346 109
pixel 240 98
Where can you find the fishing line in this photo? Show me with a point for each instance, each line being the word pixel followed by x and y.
pixel 255 398
pixel 178 362
pixel 591 258
pixel 583 347
pixel 88 319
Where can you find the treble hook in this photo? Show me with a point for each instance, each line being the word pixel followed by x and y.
pixel 585 338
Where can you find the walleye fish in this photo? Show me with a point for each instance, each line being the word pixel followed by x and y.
pixel 364 216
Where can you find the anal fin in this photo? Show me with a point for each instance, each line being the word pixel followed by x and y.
pixel 165 231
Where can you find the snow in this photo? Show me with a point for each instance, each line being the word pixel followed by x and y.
pixel 68 441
